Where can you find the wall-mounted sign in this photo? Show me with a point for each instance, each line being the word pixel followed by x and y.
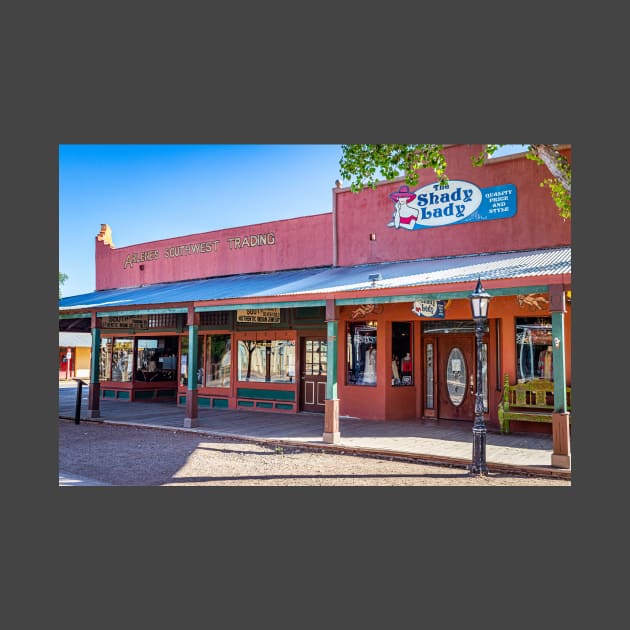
pixel 125 321
pixel 258 315
pixel 429 308
pixel 205 247
pixel 437 205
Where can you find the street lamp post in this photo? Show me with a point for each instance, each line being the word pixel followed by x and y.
pixel 479 301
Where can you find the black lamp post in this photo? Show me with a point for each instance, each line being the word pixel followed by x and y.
pixel 479 301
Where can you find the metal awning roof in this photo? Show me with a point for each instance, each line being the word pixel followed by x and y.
pixel 331 280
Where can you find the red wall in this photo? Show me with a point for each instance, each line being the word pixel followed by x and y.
pixel 308 241
pixel 297 243
pixel 536 224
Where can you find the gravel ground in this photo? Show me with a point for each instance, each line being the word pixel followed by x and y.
pixel 127 456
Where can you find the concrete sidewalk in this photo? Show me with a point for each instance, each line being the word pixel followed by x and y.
pixel 437 441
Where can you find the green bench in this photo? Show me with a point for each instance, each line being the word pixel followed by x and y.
pixel 531 401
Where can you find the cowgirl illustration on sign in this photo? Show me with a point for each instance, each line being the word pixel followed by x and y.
pixel 404 215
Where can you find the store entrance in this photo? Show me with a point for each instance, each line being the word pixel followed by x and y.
pixel 456 377
pixel 314 367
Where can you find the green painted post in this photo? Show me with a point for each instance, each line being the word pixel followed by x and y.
pixel 331 412
pixel 559 373
pixel 560 419
pixel 192 403
pixel 331 372
pixel 94 359
pixel 94 392
pixel 192 357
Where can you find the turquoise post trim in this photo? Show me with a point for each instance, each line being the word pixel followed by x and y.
pixel 331 374
pixel 451 295
pixel 94 359
pixel 192 357
pixel 559 374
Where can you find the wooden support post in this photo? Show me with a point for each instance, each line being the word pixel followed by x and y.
pixel 331 408
pixel 94 392
pixel 560 424
pixel 192 400
pixel 561 456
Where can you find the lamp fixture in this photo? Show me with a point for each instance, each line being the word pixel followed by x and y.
pixel 479 300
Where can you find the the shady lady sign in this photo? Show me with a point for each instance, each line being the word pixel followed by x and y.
pixel 457 201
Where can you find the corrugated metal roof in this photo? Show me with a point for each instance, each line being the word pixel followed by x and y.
pixel 75 339
pixel 331 280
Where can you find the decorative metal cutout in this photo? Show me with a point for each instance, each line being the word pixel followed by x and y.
pixel 532 301
pixel 367 309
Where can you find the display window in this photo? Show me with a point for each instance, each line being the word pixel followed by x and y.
pixel 534 352
pixel 122 360
pixel 402 354
pixel 218 360
pixel 214 361
pixel 184 362
pixel 105 360
pixel 361 343
pixel 267 361
pixel 156 359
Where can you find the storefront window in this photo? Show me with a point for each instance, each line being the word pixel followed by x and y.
pixel 184 363
pixel 122 360
pixel 266 361
pixel 402 362
pixel 533 348
pixel 105 360
pixel 218 360
pixel 361 353
pixel 156 359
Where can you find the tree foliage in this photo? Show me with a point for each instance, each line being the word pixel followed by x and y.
pixel 62 278
pixel 365 164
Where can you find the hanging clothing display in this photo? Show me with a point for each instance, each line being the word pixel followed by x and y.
pixel 369 373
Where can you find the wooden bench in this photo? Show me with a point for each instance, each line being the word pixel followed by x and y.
pixel 531 401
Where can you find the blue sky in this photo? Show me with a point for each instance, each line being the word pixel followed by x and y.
pixel 151 192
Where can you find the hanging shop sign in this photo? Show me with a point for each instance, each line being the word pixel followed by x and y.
pixel 457 201
pixel 258 315
pixel 429 308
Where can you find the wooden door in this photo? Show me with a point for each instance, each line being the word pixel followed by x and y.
pixel 456 377
pixel 314 367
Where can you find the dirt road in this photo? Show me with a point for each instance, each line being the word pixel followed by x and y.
pixel 125 456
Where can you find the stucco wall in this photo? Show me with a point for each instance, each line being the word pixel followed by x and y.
pixel 289 244
pixel 536 224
